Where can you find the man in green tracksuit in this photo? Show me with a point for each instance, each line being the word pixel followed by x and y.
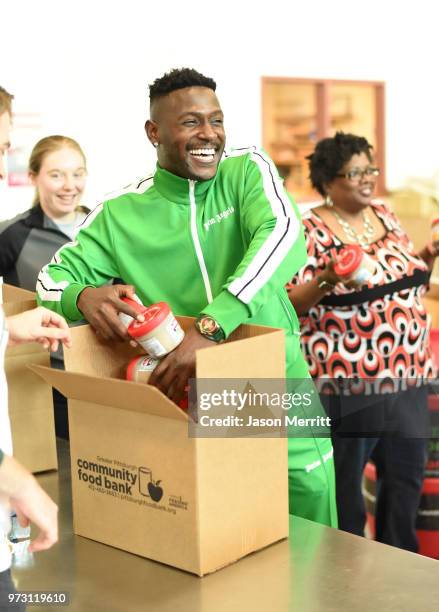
pixel 215 235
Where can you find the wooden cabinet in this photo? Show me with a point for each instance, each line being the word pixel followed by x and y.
pixel 296 113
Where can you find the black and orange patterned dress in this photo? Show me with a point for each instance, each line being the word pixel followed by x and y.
pixel 377 331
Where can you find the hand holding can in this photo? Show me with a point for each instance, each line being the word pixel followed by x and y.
pixel 159 333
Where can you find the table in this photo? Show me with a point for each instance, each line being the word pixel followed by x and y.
pixel 317 569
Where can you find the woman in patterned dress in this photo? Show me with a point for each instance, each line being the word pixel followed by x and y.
pixel 375 337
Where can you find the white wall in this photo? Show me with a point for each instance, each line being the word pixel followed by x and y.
pixel 85 66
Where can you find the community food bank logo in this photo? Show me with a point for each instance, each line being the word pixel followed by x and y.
pixel 117 479
pixel 127 482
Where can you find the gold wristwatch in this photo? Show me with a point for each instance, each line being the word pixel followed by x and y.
pixel 209 328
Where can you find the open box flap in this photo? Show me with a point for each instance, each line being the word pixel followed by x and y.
pixel 27 348
pixel 136 397
pixel 93 355
pixel 225 361
pixel 10 293
pixel 17 307
pixel 242 332
pixel 96 369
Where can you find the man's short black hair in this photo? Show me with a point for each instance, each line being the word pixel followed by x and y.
pixel 178 78
pixel 331 154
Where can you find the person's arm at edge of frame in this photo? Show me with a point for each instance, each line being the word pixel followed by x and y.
pixel 30 502
pixel 429 254
pixel 39 325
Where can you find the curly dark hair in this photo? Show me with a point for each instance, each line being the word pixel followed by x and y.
pixel 178 78
pixel 331 154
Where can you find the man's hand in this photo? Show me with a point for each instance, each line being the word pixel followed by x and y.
pixel 30 502
pixel 101 306
pixel 39 325
pixel 173 372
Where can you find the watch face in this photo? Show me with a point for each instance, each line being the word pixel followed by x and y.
pixel 210 328
pixel 208 325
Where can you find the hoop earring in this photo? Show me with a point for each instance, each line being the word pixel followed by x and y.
pixel 328 201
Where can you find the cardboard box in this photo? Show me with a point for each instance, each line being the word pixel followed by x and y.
pixel 30 400
pixel 142 485
pixel 271 579
pixel 15 294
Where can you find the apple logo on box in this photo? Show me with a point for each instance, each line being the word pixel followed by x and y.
pixel 155 492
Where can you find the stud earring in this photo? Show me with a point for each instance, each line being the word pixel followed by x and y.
pixel 328 201
pixel 155 145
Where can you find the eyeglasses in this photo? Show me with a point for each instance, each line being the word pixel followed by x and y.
pixel 356 174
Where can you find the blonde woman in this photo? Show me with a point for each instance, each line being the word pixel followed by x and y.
pixel 57 169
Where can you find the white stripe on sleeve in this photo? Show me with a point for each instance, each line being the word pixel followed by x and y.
pixel 280 240
pixel 50 290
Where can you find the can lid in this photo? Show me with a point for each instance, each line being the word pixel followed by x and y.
pixel 153 315
pixel 434 221
pixel 142 362
pixel 137 306
pixel 349 260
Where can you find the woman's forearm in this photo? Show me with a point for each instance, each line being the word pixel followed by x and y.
pixel 428 254
pixel 304 297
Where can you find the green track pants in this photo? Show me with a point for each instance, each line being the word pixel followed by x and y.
pixel 310 457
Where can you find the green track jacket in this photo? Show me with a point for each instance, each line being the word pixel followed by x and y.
pixel 224 247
